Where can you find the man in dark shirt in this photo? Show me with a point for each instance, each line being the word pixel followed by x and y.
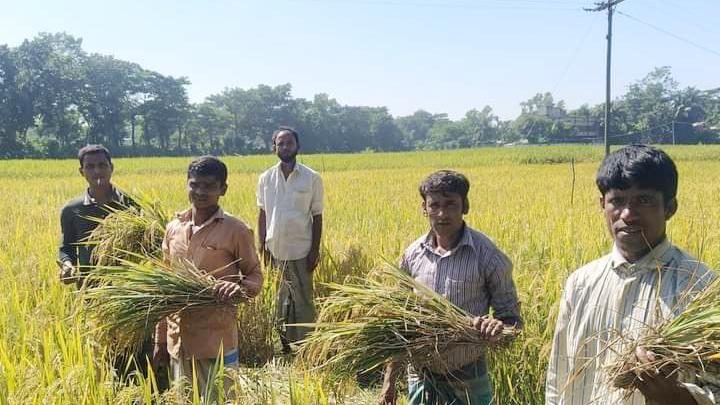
pixel 96 167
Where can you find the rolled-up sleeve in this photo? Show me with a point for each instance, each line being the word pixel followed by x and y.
pixel 316 205
pixel 260 192
pixel 249 265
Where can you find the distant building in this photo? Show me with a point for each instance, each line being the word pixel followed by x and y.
pixel 583 128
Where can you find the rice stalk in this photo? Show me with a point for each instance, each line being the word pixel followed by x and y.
pixel 386 316
pixel 127 301
pixel 135 230
pixel 689 342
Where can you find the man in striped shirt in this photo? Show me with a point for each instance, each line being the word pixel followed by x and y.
pixel 467 268
pixel 644 280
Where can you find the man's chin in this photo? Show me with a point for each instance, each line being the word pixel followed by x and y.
pixel 631 243
pixel 446 229
pixel 629 238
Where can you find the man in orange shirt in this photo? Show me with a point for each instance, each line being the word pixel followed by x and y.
pixel 217 243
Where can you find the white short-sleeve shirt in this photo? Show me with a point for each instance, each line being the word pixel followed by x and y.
pixel 289 206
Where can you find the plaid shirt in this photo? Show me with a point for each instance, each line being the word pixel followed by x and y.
pixel 475 276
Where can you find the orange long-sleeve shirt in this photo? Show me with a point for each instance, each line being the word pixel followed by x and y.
pixel 222 240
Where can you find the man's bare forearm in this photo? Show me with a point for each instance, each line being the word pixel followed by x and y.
pixel 392 370
pixel 262 231
pixel 316 233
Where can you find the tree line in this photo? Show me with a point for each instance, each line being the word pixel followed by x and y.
pixel 55 97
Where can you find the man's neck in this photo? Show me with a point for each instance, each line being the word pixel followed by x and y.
pixel 101 195
pixel 201 215
pixel 635 256
pixel 287 168
pixel 447 243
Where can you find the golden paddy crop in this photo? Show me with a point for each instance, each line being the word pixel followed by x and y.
pixel 539 204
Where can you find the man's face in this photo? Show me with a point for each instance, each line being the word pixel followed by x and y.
pixel 445 212
pixel 286 148
pixel 205 191
pixel 636 218
pixel 96 169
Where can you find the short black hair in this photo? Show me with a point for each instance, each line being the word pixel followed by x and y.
pixel 285 129
pixel 208 166
pixel 446 181
pixel 91 149
pixel 638 165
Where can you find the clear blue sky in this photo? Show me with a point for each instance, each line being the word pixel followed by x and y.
pixel 438 55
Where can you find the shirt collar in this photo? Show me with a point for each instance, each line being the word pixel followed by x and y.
pixel 465 240
pixel 659 255
pixel 186 216
pixel 115 195
pixel 296 167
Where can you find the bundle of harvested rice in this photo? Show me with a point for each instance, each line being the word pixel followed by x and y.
pixel 136 230
pixel 388 316
pixel 689 342
pixel 128 300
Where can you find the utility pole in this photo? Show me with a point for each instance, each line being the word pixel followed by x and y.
pixel 607 5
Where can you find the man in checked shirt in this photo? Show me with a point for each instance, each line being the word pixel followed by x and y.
pixel 467 268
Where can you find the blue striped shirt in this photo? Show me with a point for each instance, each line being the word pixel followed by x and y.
pixel 475 275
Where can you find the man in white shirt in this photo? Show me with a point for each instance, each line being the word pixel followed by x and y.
pixel 290 199
pixel 644 280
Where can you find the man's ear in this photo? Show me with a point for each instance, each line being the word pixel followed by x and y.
pixel 466 206
pixel 602 202
pixel 224 189
pixel 424 208
pixel 671 208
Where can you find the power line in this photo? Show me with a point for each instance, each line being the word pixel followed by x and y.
pixel 666 32
pixel 573 55
pixel 689 11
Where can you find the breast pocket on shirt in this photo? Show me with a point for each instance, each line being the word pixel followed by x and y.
pixel 301 200
pixel 215 260
pixel 465 294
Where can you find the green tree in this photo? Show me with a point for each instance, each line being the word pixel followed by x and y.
pixel 540 119
pixel 165 109
pixel 106 98
pixel 481 127
pixel 416 127
pixel 16 112
pixel 256 113
pixel 51 77
pixel 647 106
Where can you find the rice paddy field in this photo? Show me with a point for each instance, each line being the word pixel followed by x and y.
pixel 539 204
